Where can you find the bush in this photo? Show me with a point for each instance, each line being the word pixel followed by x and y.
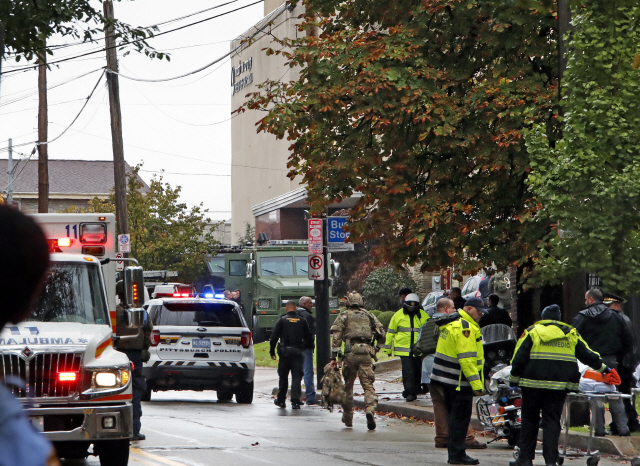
pixel 376 313
pixel 385 318
pixel 382 286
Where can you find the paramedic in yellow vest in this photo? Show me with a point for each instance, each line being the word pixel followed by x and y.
pixel 544 367
pixel 457 368
pixel 401 336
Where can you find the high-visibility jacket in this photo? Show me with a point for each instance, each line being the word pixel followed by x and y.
pixel 459 358
pixel 545 357
pixel 403 332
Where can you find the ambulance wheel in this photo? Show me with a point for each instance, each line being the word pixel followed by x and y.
pixel 245 396
pixel 224 395
pixel 593 460
pixel 113 452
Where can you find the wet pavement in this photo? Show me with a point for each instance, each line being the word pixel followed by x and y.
pixel 192 428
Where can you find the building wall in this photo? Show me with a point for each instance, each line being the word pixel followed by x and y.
pixel 282 224
pixel 259 161
pixel 30 205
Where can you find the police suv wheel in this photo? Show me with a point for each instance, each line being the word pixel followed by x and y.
pixel 245 396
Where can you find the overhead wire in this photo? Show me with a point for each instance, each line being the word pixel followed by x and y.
pixel 71 44
pixel 136 40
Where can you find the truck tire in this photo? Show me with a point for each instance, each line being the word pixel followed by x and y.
pixel 113 452
pixel 224 395
pixel 245 396
pixel 146 396
pixel 259 334
pixel 72 450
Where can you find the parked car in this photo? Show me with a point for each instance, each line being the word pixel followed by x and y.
pixel 429 302
pixel 471 288
pixel 200 344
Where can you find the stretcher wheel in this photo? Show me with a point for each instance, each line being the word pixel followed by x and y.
pixel 635 461
pixel 516 453
pixel 561 461
pixel 593 460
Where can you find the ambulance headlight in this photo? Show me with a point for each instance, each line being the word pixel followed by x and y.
pixel 105 380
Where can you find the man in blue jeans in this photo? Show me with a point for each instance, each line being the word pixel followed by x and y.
pixel 304 310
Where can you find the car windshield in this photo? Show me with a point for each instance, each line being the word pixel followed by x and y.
pixel 302 265
pixel 192 314
pixel 281 265
pixel 73 293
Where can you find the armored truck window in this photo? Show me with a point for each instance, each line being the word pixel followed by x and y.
pixel 302 265
pixel 237 268
pixel 216 264
pixel 190 314
pixel 73 293
pixel 276 265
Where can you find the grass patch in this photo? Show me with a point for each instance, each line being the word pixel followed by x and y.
pixel 263 359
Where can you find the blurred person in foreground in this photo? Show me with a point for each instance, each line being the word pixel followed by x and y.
pixel 25 259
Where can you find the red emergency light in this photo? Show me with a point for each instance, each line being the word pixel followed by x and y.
pixel 181 295
pixel 67 376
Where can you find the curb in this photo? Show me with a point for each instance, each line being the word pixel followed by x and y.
pixel 388 365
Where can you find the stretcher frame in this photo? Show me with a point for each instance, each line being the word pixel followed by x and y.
pixel 593 456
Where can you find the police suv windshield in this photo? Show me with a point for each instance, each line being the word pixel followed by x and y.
pixel 73 293
pixel 197 314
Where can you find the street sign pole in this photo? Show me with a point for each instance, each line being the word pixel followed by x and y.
pixel 321 288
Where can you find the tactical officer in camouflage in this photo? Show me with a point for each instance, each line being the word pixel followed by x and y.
pixel 362 335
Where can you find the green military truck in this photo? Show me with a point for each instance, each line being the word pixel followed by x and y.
pixel 267 277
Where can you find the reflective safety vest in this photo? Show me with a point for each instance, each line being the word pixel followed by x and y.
pixel 459 358
pixel 403 332
pixel 546 357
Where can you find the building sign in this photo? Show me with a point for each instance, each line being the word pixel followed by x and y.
pixel 237 82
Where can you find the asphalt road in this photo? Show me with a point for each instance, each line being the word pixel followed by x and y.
pixel 192 428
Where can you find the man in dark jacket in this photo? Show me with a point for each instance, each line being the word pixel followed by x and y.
pixel 603 329
pixel 626 368
pixel 304 311
pixel 294 335
pixel 456 296
pixel 494 314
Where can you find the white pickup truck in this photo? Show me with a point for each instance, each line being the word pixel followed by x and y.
pixel 60 362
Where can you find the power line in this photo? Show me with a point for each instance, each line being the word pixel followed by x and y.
pixel 189 174
pixel 134 41
pixel 60 46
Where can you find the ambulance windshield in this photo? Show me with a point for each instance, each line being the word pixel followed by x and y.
pixel 73 293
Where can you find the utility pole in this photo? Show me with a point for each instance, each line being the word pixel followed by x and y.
pixel 119 172
pixel 43 162
pixel 10 174
pixel 1 50
pixel 321 290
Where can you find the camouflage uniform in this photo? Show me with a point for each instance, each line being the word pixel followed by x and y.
pixel 357 329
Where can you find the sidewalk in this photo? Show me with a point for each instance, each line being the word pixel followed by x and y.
pixel 389 388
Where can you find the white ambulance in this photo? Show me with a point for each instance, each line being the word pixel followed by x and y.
pixel 60 362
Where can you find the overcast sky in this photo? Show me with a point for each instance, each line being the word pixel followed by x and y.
pixel 180 126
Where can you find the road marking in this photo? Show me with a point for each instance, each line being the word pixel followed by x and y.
pixel 168 462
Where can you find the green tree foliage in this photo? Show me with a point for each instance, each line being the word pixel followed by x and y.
pixel 381 288
pixel 589 182
pixel 165 234
pixel 29 23
pixel 420 106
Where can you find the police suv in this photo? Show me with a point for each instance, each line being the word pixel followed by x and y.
pixel 200 344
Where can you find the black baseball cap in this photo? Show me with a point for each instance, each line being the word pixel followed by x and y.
pixel 404 291
pixel 477 303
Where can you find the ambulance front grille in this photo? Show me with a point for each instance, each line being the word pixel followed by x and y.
pixel 38 376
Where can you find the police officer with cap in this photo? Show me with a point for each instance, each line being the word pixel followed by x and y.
pixel 627 366
pixel 458 369
pixel 544 366
pixel 295 336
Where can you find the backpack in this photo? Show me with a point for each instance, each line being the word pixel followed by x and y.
pixel 430 334
pixel 332 387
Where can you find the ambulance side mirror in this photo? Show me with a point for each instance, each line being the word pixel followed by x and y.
pixel 133 287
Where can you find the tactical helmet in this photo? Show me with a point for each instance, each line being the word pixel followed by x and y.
pixel 354 299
